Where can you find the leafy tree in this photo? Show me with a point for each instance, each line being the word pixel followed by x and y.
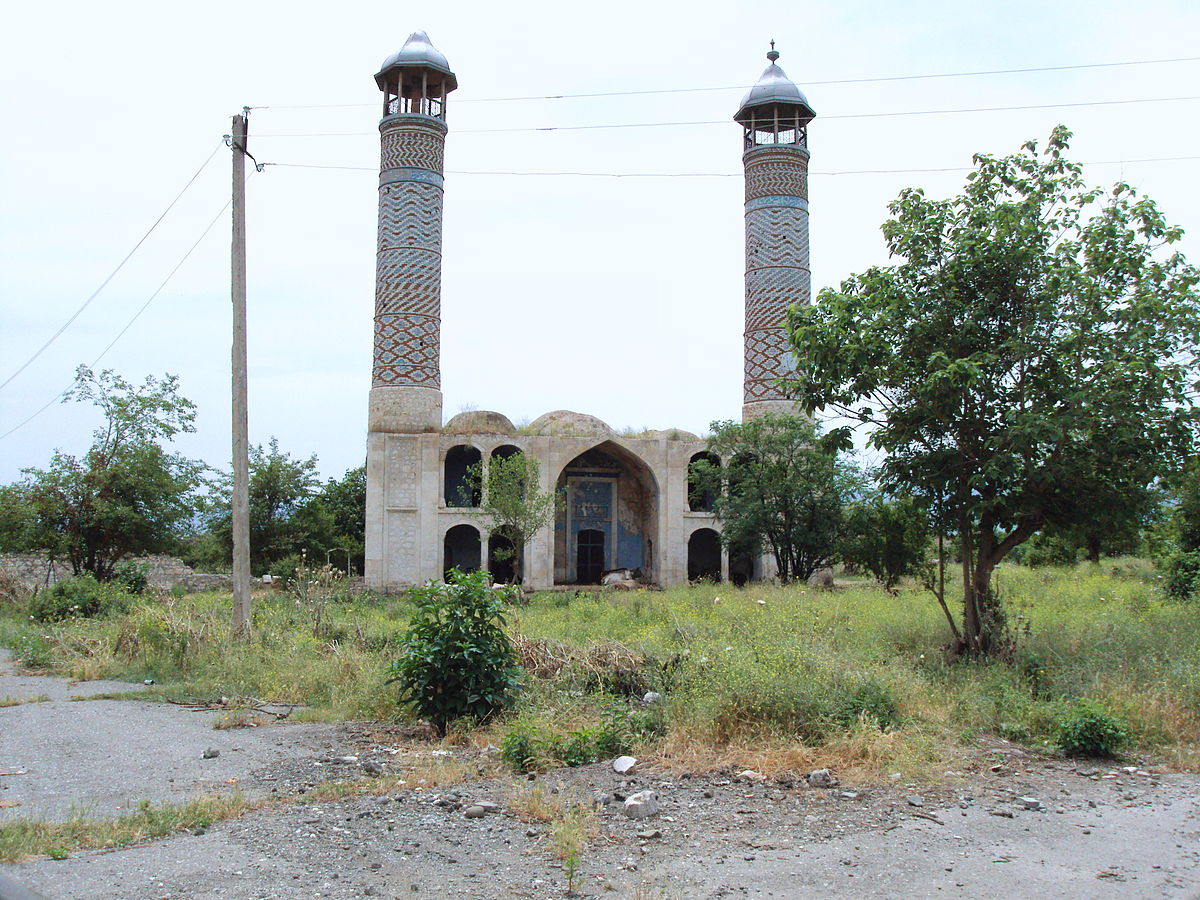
pixel 887 536
pixel 1034 346
pixel 18 519
pixel 1110 522
pixel 280 486
pixel 512 506
pixel 780 487
pixel 336 517
pixel 126 495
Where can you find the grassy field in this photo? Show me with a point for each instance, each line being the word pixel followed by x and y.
pixel 767 677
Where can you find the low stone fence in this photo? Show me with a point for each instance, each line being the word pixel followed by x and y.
pixel 34 571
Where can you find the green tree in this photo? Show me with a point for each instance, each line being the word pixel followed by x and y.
pixel 512 506
pixel 280 487
pixel 1035 345
pixel 887 537
pixel 18 519
pixel 780 486
pixel 336 517
pixel 126 495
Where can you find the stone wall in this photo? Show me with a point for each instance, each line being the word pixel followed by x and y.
pixel 33 570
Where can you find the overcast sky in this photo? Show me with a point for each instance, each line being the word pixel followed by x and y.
pixel 618 297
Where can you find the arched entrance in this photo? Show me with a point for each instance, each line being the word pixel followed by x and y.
pixel 461 549
pixel 610 517
pixel 704 555
pixel 502 559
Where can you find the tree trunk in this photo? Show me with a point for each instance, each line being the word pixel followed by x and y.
pixel 1092 542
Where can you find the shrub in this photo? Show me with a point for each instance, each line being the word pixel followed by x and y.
pixel 867 700
pixel 1089 730
pixel 456 659
pixel 132 577
pixel 1049 550
pixel 1183 576
pixel 527 745
pixel 81 596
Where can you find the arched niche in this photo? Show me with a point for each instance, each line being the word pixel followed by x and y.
pixel 457 488
pixel 700 500
pixel 704 555
pixel 610 491
pixel 461 549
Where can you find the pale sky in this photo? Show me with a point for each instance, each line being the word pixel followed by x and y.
pixel 618 297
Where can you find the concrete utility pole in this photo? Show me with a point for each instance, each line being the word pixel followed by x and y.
pixel 241 461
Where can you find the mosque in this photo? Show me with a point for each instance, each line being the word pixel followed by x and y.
pixel 627 501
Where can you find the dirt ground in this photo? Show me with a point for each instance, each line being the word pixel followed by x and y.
pixel 1034 827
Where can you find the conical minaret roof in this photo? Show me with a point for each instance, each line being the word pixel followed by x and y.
pixel 418 52
pixel 774 90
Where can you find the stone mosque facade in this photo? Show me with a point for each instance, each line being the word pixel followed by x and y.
pixel 627 502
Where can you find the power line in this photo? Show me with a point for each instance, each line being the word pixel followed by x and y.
pixel 120 334
pixel 874 115
pixel 1099 162
pixel 873 80
pixel 114 272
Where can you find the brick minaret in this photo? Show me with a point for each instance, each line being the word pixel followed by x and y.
pixel 406 394
pixel 774 116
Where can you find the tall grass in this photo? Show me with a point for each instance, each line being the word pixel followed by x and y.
pixel 767 675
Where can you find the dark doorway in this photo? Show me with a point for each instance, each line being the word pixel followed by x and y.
pixel 704 555
pixel 458 489
pixel 462 550
pixel 744 564
pixel 502 559
pixel 589 558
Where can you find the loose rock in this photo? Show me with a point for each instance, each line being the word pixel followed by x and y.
pixel 821 778
pixel 210 753
pixel 641 805
pixel 474 812
pixel 624 764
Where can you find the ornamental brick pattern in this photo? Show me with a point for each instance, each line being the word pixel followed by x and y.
pixel 777 263
pixel 776 169
pixel 408 269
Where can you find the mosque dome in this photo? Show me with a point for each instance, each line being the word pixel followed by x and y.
pixel 774 91
pixel 564 423
pixel 480 421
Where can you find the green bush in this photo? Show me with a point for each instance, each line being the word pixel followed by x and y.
pixel 1183 576
pixel 132 577
pixel 80 596
pixel 527 745
pixel 456 659
pixel 1089 730
pixel 867 700
pixel 284 570
pixel 1049 550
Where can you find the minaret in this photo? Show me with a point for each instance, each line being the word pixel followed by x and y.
pixel 774 116
pixel 406 394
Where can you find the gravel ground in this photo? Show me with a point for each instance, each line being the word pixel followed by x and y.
pixel 1032 828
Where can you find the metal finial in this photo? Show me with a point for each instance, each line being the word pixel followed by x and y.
pixel 773 54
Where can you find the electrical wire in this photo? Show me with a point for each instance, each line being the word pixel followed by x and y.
pixel 874 115
pixel 86 303
pixel 1099 162
pixel 872 80
pixel 120 334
